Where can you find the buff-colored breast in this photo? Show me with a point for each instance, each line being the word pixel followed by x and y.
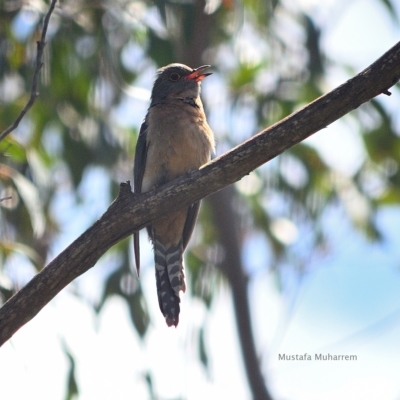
pixel 179 140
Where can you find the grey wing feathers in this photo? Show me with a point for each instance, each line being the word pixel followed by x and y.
pixel 138 172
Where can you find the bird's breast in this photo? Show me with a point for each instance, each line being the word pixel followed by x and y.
pixel 179 140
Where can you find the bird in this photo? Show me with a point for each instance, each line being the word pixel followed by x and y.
pixel 174 139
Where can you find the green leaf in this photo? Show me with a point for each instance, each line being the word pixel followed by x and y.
pixel 30 196
pixel 10 148
pixel 244 75
pixel 9 247
pixel 72 386
pixel 203 350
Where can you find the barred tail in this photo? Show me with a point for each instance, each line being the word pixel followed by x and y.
pixel 170 279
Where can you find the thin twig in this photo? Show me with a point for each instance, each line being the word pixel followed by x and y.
pixel 39 64
pixel 6 198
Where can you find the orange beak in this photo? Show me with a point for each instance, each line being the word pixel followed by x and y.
pixel 197 75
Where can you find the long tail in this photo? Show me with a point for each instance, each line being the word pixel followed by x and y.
pixel 170 279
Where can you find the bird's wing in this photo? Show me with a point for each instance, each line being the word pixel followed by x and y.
pixel 190 223
pixel 138 172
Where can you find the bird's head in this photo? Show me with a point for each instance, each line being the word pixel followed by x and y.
pixel 177 80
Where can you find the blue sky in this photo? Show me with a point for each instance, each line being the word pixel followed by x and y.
pixel 349 305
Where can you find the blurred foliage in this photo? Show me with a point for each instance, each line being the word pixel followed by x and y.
pixel 99 53
pixel 123 283
pixel 72 386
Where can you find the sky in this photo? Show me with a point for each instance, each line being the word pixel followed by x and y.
pixel 347 304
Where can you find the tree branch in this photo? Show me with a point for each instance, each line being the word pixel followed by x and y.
pixel 35 82
pixel 131 212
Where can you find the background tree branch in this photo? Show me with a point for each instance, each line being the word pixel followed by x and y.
pixel 231 267
pixel 131 212
pixel 227 227
pixel 35 80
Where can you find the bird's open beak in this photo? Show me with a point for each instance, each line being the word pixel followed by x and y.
pixel 197 75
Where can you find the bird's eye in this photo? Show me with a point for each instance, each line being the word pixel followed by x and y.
pixel 174 77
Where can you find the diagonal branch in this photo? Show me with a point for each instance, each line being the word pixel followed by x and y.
pixel 35 81
pixel 131 212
